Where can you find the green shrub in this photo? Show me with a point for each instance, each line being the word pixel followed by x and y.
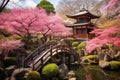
pixel 33 75
pixel 50 70
pixel 3 74
pixel 8 61
pixel 75 44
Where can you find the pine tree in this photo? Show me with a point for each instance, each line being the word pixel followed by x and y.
pixel 47 6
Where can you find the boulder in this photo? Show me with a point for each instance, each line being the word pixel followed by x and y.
pixel 63 71
pixel 109 65
pixel 114 64
pixel 104 64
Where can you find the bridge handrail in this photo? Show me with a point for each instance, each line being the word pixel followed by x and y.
pixel 41 53
pixel 36 52
pixel 47 55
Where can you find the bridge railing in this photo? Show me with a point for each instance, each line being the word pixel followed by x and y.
pixel 47 55
pixel 42 54
pixel 33 55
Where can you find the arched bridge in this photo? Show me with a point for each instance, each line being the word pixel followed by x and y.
pixel 44 53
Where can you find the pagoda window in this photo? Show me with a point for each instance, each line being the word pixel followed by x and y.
pixel 80 30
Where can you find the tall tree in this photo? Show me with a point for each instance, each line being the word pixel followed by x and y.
pixel 109 10
pixel 3 3
pixel 112 9
pixel 73 6
pixel 47 6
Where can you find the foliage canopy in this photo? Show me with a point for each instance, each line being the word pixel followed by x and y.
pixel 47 6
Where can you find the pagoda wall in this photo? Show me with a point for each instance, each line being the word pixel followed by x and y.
pixel 81 35
pixel 82 20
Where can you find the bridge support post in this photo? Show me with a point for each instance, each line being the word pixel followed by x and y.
pixel 23 58
pixel 63 58
pixel 51 52
pixel 32 63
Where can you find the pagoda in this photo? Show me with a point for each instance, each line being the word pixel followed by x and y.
pixel 83 25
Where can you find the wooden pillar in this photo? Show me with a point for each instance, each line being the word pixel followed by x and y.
pixel 32 63
pixel 73 30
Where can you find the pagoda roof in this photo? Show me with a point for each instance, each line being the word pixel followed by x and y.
pixel 77 24
pixel 83 13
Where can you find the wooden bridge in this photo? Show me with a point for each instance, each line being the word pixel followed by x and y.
pixel 44 53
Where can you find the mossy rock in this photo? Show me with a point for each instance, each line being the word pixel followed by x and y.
pixel 75 44
pixel 104 64
pixel 8 61
pixel 3 74
pixel 81 45
pixel 114 64
pixel 50 70
pixel 33 75
pixel 92 59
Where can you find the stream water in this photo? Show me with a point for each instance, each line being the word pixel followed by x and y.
pixel 94 72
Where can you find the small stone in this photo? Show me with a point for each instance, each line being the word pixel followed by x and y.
pixel 71 74
pixel 72 78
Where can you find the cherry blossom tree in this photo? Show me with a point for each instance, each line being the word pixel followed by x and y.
pixel 112 9
pixel 7 46
pixel 28 22
pixel 10 45
pixel 104 36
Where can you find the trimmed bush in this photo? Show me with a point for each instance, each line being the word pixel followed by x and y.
pixel 75 44
pixel 3 74
pixel 8 61
pixel 33 75
pixel 50 70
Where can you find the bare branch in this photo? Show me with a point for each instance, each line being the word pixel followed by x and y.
pixel 4 3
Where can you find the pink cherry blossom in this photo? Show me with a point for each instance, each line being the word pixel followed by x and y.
pixel 10 45
pixel 31 21
pixel 103 37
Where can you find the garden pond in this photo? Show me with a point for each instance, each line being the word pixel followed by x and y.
pixel 94 72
